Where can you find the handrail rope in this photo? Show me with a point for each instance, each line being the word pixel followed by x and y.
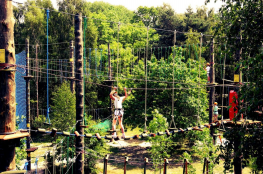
pixel 84 67
pixel 118 55
pixel 172 120
pixel 47 117
pixel 222 117
pixel 122 78
pixel 145 105
pixel 132 88
pixel 200 54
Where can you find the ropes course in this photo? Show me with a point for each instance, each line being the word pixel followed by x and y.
pixel 170 68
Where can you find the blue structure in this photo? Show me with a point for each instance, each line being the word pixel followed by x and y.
pixel 21 90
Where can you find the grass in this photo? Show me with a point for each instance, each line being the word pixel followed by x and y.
pixel 42 149
pixel 114 168
pixel 117 169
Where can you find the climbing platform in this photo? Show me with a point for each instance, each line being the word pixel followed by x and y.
pixel 240 122
pixel 14 136
pixel 32 149
pixel 15 172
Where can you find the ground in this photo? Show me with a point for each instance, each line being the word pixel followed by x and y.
pixel 136 150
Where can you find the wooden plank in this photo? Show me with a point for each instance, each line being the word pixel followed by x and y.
pixel 14 136
pixel 16 171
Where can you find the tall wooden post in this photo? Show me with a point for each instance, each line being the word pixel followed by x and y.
pixel 212 81
pixel 79 93
pixel 7 84
pixel 237 142
pixel 27 78
pixel 37 74
pixel 72 82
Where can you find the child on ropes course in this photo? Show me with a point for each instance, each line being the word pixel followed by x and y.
pixel 215 112
pixel 208 72
pixel 119 111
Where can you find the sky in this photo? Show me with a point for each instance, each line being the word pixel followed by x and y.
pixel 179 6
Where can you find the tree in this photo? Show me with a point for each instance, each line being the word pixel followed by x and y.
pixel 148 15
pixel 241 25
pixel 63 108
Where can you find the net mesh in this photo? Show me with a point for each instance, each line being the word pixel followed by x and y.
pixel 103 126
pixel 21 90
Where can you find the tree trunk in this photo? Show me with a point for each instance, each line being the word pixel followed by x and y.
pixel 7 84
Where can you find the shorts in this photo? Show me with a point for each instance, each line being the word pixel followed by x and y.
pixel 119 112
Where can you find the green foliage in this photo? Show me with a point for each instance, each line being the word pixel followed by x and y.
pixel 190 100
pixel 20 152
pixel 63 108
pixel 204 146
pixel 160 144
pixel 190 168
pixel 158 123
pixel 38 121
pixel 240 21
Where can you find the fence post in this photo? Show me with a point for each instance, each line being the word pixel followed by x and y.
pixel 54 165
pixel 204 166
pixel 125 163
pixel 105 163
pixel 165 166
pixel 145 163
pixel 185 166
pixel 207 162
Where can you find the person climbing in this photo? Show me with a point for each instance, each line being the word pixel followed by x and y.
pixel 208 72
pixel 215 111
pixel 119 111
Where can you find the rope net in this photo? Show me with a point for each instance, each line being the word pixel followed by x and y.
pixel 21 90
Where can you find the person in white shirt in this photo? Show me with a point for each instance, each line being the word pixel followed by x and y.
pixel 208 72
pixel 119 111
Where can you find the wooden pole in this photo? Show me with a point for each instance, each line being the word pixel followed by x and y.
pixel 125 163
pixel 105 164
pixel 27 78
pixel 145 163
pixel 237 142
pixel 79 93
pixel 212 80
pixel 7 84
pixel 204 166
pixel 37 74
pixel 165 166
pixel 72 82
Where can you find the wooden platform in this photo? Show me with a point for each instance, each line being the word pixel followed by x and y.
pixel 240 122
pixel 258 112
pixel 32 149
pixel 14 136
pixel 14 171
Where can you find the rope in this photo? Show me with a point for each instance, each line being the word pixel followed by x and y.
pixel 47 118
pixel 172 120
pixel 84 68
pixel 223 91
pixel 118 55
pixel 201 43
pixel 145 106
